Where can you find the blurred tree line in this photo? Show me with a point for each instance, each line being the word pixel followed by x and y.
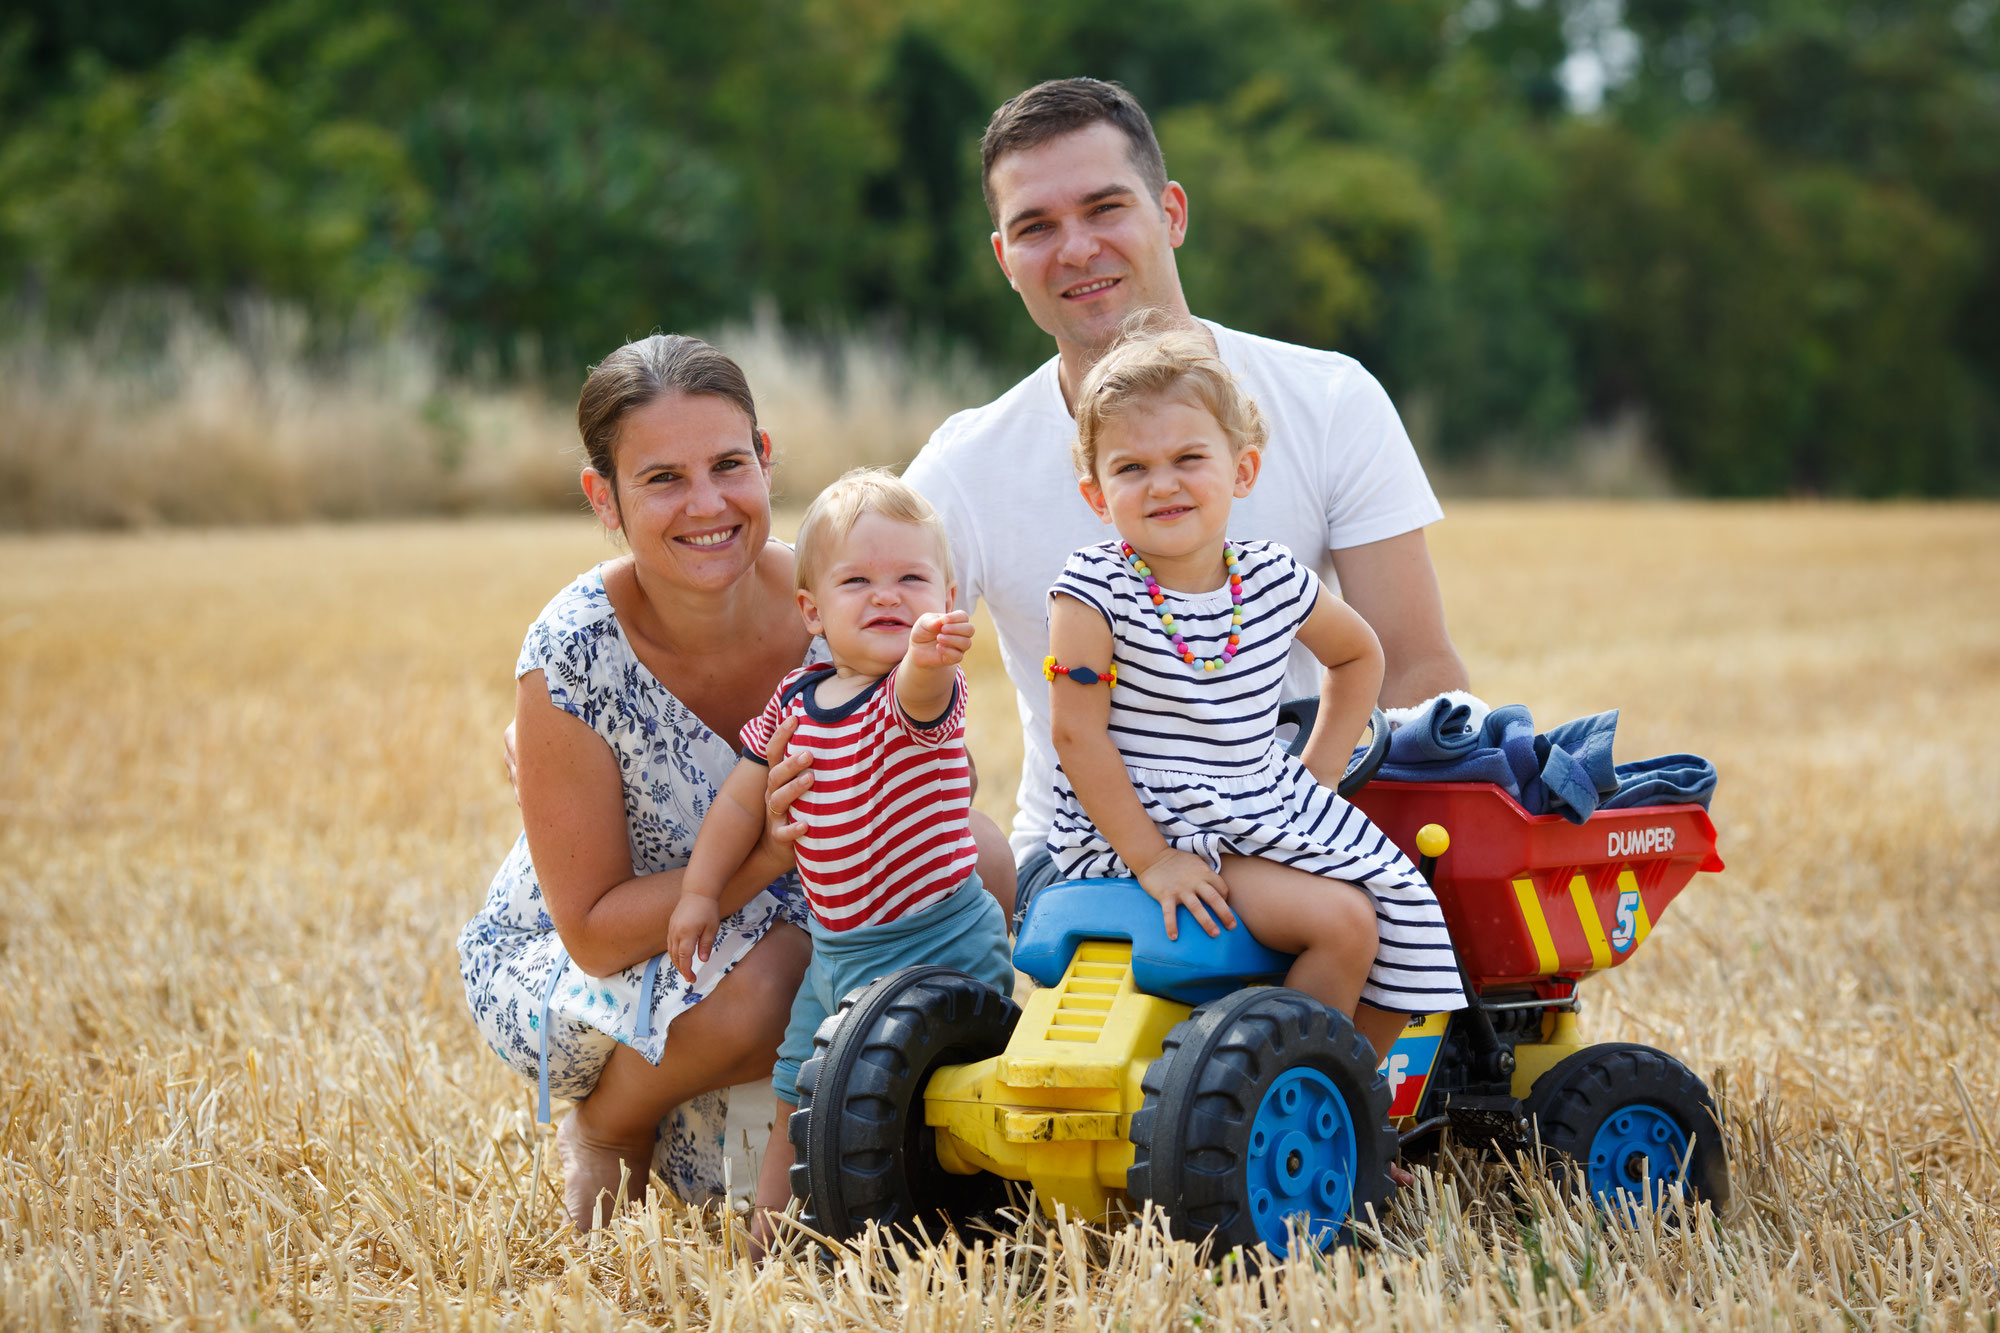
pixel 1771 225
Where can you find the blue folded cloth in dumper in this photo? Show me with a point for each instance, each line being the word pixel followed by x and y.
pixel 1566 770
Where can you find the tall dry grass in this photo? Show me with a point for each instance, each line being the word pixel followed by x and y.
pixel 249 789
pixel 160 416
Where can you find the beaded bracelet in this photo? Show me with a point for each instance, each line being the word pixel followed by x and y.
pixel 1081 675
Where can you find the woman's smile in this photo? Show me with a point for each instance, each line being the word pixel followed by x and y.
pixel 711 539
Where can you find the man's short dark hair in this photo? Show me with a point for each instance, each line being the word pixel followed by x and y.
pixel 1063 106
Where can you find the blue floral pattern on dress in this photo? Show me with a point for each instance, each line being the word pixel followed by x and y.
pixel 509 953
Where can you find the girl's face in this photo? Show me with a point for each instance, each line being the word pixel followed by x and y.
pixel 693 496
pixel 1165 477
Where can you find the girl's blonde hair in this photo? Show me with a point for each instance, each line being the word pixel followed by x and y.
pixel 1159 357
pixel 865 490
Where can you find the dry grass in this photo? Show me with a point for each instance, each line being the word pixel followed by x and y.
pixel 161 418
pixel 249 789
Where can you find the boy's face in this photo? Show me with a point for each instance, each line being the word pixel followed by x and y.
pixel 871 590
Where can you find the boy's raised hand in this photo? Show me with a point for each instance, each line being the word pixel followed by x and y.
pixel 691 932
pixel 940 639
pixel 1179 879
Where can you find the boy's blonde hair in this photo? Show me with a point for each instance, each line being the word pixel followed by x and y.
pixel 1156 357
pixel 865 490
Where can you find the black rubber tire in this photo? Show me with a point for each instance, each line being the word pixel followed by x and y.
pixel 861 1150
pixel 1571 1102
pixel 1192 1134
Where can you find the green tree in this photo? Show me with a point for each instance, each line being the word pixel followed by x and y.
pixel 204 177
pixel 1789 329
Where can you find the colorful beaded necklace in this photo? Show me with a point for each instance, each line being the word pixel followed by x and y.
pixel 1140 568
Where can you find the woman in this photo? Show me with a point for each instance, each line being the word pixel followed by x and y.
pixel 632 687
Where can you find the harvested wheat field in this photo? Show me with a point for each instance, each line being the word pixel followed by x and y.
pixel 250 788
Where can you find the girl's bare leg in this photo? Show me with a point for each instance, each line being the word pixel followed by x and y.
pixel 1380 1026
pixel 1328 924
pixel 730 1037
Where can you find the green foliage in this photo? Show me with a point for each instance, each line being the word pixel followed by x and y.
pixel 202 176
pixel 576 220
pixel 1300 235
pixel 1790 328
pixel 1780 238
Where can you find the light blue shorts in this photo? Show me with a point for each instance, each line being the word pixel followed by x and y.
pixel 966 930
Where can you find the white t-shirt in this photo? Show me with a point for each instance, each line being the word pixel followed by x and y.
pixel 1339 471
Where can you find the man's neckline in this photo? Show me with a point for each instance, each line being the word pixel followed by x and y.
pixel 1053 366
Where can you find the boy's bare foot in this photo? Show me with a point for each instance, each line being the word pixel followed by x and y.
pixel 590 1171
pixel 1400 1177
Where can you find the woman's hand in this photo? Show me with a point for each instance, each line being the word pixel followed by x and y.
pixel 691 932
pixel 787 778
pixel 1182 879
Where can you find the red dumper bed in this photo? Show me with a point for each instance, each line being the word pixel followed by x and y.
pixel 1531 897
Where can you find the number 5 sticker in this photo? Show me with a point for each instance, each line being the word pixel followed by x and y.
pixel 1628 920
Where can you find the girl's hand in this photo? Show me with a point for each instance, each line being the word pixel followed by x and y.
pixel 940 640
pixel 691 932
pixel 1182 879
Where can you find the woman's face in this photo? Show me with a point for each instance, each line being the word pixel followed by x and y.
pixel 693 496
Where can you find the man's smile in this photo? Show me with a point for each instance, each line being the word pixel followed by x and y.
pixel 1091 288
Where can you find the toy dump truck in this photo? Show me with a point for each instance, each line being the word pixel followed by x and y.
pixel 1185 1074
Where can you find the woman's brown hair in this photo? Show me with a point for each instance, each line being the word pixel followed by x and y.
pixel 640 372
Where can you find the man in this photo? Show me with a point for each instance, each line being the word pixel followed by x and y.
pixel 1086 225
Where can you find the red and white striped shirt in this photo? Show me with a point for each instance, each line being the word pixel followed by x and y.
pixel 886 830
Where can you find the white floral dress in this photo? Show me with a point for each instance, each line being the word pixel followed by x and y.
pixel 515 969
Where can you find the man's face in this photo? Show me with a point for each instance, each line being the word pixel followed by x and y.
pixel 1081 238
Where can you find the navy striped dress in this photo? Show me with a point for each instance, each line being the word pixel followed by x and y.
pixel 1202 750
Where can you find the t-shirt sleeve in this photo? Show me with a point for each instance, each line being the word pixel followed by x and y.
pixel 1305 589
pixel 558 658
pixel 928 732
pixel 757 731
pixel 931 478
pixel 1375 484
pixel 1087 577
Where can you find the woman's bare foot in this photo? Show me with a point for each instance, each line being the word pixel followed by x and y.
pixel 590 1171
pixel 757 1236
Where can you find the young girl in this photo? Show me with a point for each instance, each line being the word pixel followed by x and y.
pixel 1174 773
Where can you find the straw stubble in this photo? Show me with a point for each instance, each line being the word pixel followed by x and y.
pixel 251 788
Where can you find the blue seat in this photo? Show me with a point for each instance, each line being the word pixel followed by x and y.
pixel 1192 969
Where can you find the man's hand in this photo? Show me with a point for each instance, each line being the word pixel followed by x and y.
pixel 1181 879
pixel 939 640
pixel 691 932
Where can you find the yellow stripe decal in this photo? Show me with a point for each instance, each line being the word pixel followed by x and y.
pixel 1641 926
pixel 1593 929
pixel 1538 925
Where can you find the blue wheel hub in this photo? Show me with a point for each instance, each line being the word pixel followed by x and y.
pixel 1301 1162
pixel 1636 1153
